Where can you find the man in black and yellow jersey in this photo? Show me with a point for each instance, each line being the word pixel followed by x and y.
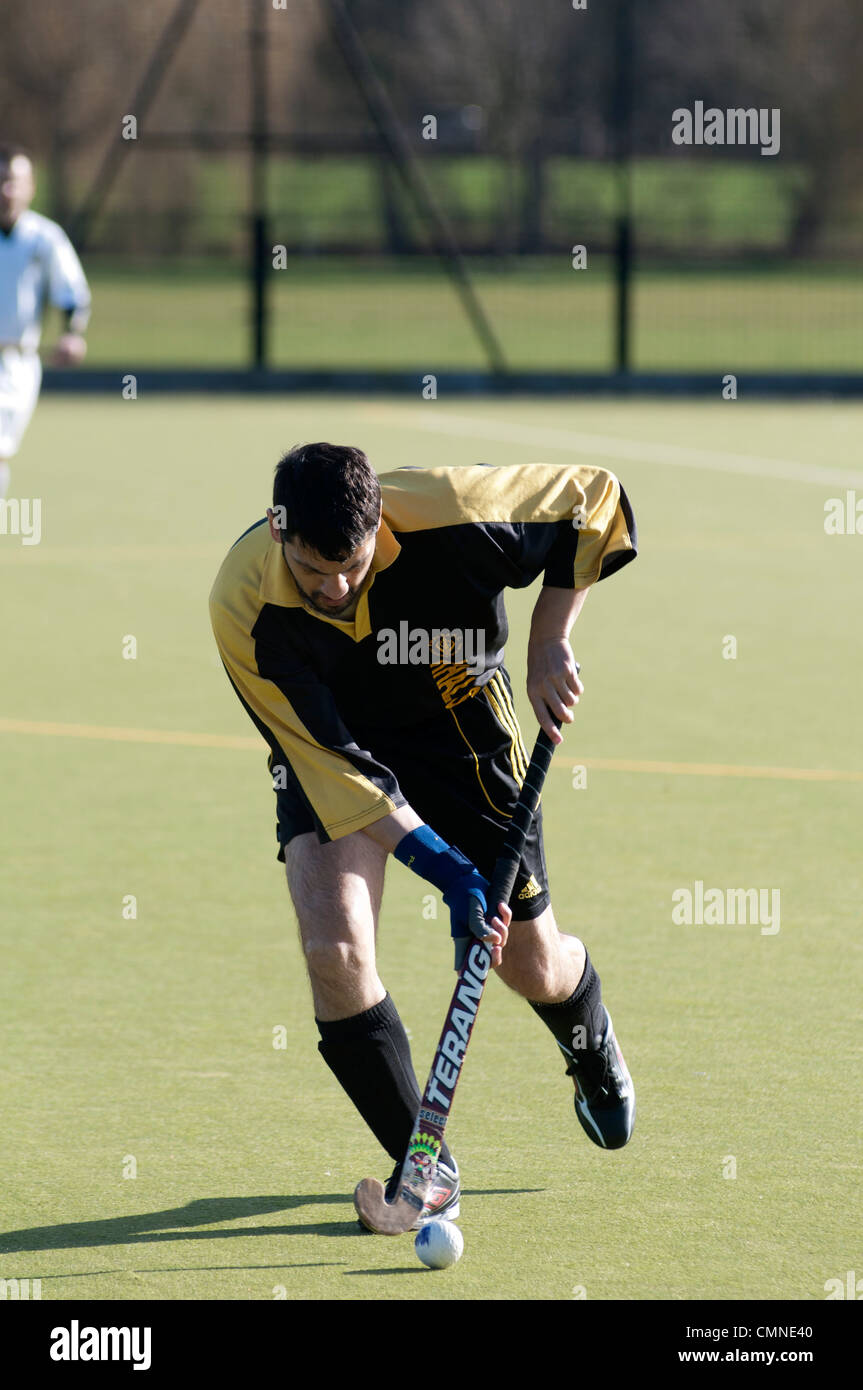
pixel 362 626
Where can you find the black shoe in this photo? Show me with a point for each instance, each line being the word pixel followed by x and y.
pixel 604 1093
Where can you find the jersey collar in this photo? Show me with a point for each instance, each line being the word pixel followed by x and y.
pixel 278 587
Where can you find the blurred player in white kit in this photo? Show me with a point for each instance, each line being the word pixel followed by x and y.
pixel 38 266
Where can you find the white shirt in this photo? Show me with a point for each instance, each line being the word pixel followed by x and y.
pixel 38 265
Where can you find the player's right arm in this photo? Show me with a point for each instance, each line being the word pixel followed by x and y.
pixel 404 835
pixel 342 785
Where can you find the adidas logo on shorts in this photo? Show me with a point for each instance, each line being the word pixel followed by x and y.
pixel 530 890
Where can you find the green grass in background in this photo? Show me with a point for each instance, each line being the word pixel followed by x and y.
pixel 714 288
pixel 382 315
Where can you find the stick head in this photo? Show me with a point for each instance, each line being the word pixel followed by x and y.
pixel 386 1218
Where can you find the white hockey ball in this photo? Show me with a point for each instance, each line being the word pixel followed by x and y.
pixel 439 1244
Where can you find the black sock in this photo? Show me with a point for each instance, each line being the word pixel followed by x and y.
pixel 370 1057
pixel 583 1010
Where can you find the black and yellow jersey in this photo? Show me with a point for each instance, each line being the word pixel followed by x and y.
pixel 430 626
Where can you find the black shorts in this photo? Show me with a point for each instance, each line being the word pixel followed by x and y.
pixel 461 772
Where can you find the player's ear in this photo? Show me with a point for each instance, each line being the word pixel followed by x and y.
pixel 275 531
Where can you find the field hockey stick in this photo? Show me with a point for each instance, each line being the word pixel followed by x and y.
pixel 420 1165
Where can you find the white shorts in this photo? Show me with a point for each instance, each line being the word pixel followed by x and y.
pixel 20 379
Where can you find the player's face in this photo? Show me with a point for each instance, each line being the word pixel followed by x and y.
pixel 17 187
pixel 332 587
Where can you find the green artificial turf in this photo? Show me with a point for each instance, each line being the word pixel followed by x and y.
pixel 145 1044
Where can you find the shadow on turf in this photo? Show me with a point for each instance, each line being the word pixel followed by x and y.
pixel 189 1269
pixel 170 1224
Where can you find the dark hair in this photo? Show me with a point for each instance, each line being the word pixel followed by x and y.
pixel 10 149
pixel 331 498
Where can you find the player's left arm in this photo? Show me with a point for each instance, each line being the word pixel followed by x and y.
pixel 71 347
pixel 69 292
pixel 586 544
pixel 553 682
pixel 571 523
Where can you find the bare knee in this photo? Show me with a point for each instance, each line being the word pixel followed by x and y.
pixel 336 962
pixel 343 978
pixel 539 962
pixel 531 976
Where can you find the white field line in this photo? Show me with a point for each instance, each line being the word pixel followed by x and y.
pixel 609 446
